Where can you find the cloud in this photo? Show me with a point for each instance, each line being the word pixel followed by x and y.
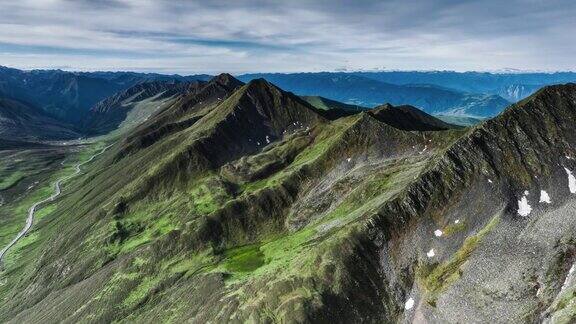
pixel 255 35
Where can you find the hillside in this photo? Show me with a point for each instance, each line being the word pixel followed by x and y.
pixel 23 122
pixel 243 202
pixel 131 107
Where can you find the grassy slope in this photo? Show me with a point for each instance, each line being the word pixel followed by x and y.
pixel 214 230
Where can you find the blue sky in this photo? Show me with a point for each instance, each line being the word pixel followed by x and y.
pixel 286 36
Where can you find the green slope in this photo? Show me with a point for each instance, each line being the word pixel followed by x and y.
pixel 242 203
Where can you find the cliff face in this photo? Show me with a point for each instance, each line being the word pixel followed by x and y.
pixel 243 203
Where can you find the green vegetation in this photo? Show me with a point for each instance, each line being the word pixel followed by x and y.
pixel 244 259
pixel 11 179
pixel 436 278
pixel 140 292
pixel 208 194
pixel 186 219
pixel 454 228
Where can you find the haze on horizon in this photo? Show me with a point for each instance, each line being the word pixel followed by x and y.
pixel 278 36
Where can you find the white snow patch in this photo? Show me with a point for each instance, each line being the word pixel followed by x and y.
pixel 409 304
pixel 267 139
pixel 526 193
pixel 258 143
pixel 571 181
pixel 457 221
pixel 524 208
pixel 430 253
pixel 348 159
pixel 438 233
pixel 568 277
pixel 544 197
pixel 489 181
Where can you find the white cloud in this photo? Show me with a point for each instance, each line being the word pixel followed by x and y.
pixel 244 36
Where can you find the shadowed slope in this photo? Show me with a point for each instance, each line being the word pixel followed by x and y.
pixel 408 118
pixel 20 121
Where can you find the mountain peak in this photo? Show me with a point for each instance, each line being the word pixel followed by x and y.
pixel 227 80
pixel 408 118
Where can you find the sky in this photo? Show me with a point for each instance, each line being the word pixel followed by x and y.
pixel 240 36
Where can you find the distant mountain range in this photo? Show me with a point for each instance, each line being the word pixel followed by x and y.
pixel 98 102
pixel 510 86
pixel 368 92
pixel 69 96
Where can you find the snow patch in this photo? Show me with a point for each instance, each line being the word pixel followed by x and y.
pixel 430 253
pixel 524 208
pixel 568 277
pixel 267 139
pixel 457 221
pixel 489 181
pixel 438 233
pixel 544 197
pixel 409 304
pixel 571 181
pixel 348 160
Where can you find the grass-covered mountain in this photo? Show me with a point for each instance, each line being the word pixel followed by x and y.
pixel 21 121
pixel 363 91
pixel 245 203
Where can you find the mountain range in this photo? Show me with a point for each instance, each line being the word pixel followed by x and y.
pixel 69 96
pixel 368 92
pixel 247 200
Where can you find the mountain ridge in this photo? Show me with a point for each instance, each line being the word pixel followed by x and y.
pixel 245 203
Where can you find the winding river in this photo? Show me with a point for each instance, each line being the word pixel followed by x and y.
pixel 34 207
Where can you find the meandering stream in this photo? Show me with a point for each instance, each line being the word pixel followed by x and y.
pixel 34 207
